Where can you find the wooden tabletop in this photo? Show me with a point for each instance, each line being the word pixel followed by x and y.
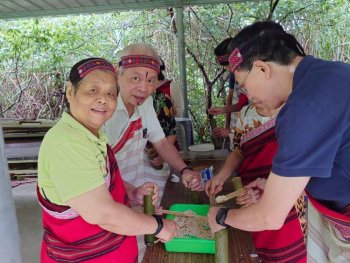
pixel 241 248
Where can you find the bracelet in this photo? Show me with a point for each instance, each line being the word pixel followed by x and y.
pixel 160 224
pixel 221 217
pixel 185 168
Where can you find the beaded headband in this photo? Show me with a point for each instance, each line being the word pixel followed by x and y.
pixel 235 59
pixel 139 61
pixel 222 59
pixel 95 64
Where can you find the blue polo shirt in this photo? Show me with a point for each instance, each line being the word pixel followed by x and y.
pixel 313 131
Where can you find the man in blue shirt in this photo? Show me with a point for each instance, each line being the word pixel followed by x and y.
pixel 313 132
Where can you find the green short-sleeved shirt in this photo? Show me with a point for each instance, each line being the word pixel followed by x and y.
pixel 72 161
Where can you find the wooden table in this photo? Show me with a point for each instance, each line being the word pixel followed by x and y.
pixel 241 248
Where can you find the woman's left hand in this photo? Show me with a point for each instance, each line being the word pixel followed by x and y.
pixel 214 227
pixel 141 191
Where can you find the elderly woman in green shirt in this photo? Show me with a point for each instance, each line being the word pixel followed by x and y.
pixel 86 205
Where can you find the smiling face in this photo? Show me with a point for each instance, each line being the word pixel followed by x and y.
pixel 94 100
pixel 136 85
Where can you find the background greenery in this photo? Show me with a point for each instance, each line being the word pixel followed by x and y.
pixel 36 54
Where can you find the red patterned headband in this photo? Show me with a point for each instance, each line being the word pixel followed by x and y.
pixel 95 64
pixel 222 59
pixel 235 59
pixel 139 61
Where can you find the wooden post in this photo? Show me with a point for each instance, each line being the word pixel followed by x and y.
pixel 221 240
pixel 181 48
pixel 149 209
pixel 10 244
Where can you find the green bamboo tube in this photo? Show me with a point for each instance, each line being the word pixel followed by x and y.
pixel 221 246
pixel 149 209
pixel 221 240
pixel 237 184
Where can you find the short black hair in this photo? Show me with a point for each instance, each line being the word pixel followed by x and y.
pixel 267 41
pixel 162 67
pixel 222 50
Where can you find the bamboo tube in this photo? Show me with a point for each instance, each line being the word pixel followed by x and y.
pixel 195 195
pixel 221 240
pixel 237 184
pixel 223 198
pixel 149 209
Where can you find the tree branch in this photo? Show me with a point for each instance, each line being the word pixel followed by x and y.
pixel 229 22
pixel 203 24
pixel 273 5
pixel 200 66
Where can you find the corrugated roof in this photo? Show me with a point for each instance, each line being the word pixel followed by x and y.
pixel 32 8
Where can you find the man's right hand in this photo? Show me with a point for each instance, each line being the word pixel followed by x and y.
pixel 169 231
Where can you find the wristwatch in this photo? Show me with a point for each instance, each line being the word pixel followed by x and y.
pixel 160 224
pixel 221 217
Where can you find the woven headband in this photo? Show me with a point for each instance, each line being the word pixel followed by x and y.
pixel 139 61
pixel 235 59
pixel 95 64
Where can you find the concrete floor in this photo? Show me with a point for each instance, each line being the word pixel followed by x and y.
pixel 29 221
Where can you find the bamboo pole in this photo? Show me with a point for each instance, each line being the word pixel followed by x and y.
pixel 221 240
pixel 149 209
pixel 237 184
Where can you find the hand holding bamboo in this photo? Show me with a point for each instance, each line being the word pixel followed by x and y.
pixel 223 198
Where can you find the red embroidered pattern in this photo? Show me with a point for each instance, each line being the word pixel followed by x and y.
pixel 235 59
pixel 140 61
pixel 95 64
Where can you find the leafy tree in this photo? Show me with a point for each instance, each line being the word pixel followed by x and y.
pixel 36 54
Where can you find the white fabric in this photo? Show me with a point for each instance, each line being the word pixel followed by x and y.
pixel 177 99
pixel 247 119
pixel 130 158
pixel 156 176
pixel 323 246
pixel 116 126
pixel 235 99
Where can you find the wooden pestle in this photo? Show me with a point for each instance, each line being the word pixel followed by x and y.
pixel 149 209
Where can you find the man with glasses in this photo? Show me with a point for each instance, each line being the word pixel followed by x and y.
pixel 314 141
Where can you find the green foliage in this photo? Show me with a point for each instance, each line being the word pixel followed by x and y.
pixel 36 54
